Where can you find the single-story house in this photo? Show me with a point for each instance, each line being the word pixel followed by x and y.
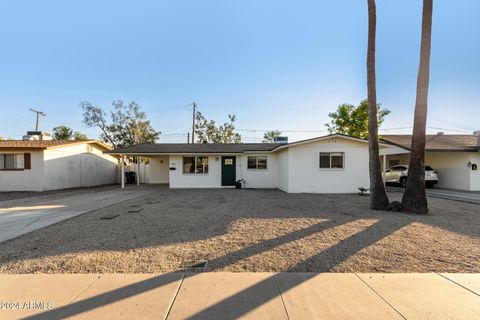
pixel 455 157
pixel 328 164
pixel 38 165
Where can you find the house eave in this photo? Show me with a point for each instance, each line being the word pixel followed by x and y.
pixel 330 136
pixel 147 154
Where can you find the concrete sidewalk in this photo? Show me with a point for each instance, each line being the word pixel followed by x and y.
pixel 240 295
pixel 21 216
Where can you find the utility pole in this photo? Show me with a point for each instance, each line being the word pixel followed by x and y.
pixel 193 121
pixel 39 113
pixel 188 137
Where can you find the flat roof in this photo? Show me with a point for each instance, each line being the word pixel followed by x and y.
pixel 169 148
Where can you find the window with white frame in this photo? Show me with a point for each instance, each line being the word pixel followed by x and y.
pixel 10 161
pixel 195 165
pixel 332 160
pixel 257 162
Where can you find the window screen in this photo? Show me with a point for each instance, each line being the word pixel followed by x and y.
pixel 257 162
pixel 11 161
pixel 188 164
pixel 331 160
pixel 195 165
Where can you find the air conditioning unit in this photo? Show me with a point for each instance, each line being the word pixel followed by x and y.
pixel 282 140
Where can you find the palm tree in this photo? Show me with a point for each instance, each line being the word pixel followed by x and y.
pixel 415 199
pixel 378 194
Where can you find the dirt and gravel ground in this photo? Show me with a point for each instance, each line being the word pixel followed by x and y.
pixel 252 230
pixel 5 196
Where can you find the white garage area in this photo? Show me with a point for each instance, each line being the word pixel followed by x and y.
pixel 32 165
pixel 456 158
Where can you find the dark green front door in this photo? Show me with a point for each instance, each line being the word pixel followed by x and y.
pixel 228 171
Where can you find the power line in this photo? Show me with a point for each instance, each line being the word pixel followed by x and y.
pixel 265 130
pixel 436 128
pixel 266 108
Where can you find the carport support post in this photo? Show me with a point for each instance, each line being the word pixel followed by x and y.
pixel 138 171
pixel 384 167
pixel 123 172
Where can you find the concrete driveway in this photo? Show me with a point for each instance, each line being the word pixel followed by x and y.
pixel 21 216
pixel 456 195
pixel 464 196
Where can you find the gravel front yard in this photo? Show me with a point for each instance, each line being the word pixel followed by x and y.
pixel 252 230
pixel 13 195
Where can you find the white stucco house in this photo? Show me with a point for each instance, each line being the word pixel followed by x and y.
pixel 328 164
pixel 456 158
pixel 38 165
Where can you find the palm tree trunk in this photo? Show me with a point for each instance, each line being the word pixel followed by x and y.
pixel 415 199
pixel 378 194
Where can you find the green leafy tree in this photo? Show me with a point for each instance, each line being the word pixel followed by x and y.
pixel 206 131
pixel 128 124
pixel 353 120
pixel 62 133
pixel 269 136
pixel 79 136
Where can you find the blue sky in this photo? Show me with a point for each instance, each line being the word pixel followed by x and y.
pixel 275 64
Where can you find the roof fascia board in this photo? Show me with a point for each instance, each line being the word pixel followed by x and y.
pixel 331 136
pixel 174 153
pixel 99 143
pixel 10 149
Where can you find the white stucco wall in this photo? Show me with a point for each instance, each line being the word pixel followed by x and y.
pixel 258 178
pixel 283 170
pixel 306 175
pixel 24 180
pixel 78 166
pixel 475 174
pixel 211 180
pixel 158 171
pixel 452 170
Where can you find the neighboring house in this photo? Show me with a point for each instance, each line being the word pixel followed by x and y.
pixel 38 165
pixel 456 158
pixel 329 164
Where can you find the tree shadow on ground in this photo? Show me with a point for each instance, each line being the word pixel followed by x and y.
pixel 235 306
pixel 169 217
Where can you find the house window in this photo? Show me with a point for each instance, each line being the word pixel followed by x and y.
pixel 332 160
pixel 11 161
pixel 255 162
pixel 195 165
